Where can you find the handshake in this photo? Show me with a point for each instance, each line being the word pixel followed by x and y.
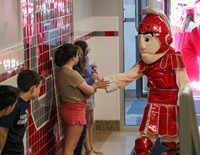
pixel 106 83
pixel 101 84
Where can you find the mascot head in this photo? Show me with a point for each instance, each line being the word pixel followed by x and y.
pixel 156 23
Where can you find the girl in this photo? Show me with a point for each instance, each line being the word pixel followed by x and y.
pixel 74 92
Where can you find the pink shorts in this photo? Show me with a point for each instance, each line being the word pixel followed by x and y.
pixel 73 113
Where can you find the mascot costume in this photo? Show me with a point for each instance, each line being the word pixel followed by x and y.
pixel 165 70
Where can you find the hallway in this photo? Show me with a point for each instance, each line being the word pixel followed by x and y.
pixel 115 142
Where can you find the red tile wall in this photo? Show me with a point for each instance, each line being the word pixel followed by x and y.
pixel 46 25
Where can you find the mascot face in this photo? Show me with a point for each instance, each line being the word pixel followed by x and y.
pixel 153 38
pixel 148 46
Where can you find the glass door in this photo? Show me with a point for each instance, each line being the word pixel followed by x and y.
pixel 134 106
pixel 141 84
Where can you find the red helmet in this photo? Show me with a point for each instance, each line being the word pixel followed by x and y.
pixel 197 1
pixel 156 24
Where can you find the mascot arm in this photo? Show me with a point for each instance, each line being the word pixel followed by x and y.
pixel 122 79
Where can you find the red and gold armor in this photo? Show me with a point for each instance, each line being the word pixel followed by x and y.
pixel 161 112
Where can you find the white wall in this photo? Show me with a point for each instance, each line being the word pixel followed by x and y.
pixel 82 16
pixel 105 50
pixel 105 7
pixel 10 26
pixel 104 53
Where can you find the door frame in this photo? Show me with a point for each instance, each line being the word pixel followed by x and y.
pixel 138 5
pixel 139 83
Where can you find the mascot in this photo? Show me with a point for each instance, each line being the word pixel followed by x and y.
pixel 165 70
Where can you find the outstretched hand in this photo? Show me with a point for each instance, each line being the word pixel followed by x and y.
pixel 101 84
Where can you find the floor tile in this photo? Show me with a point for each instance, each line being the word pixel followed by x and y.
pixel 116 142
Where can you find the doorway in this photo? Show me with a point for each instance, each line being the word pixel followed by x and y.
pixel 135 93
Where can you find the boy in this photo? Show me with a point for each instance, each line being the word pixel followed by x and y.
pixel 13 127
pixel 8 98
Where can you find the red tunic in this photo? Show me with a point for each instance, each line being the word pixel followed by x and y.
pixel 161 113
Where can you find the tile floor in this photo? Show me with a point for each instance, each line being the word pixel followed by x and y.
pixel 115 142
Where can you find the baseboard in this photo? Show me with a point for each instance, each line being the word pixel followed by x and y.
pixel 104 125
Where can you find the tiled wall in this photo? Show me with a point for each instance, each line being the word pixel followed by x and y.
pixel 46 24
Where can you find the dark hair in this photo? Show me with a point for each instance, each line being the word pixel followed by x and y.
pixel 82 44
pixel 8 96
pixel 28 78
pixel 64 54
pixel 82 60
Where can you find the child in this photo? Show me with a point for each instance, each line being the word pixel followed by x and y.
pixel 89 73
pixel 74 92
pixel 8 98
pixel 13 127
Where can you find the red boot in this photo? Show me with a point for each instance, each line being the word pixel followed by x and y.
pixel 142 146
pixel 172 148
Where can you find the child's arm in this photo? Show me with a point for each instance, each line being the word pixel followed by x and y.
pixel 3 137
pixel 96 76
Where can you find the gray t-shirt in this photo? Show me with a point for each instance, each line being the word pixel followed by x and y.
pixel 67 81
